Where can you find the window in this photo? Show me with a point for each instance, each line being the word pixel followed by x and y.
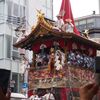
pixel 9 11
pixel 49 13
pixel 14 41
pixel 16 13
pixel 1 46
pixel 15 53
pixel 76 23
pixel 10 50
pixel 16 10
pixel 82 22
pixel 22 11
pixel 43 2
pixel 21 80
pixel 46 3
pixel 8 46
pixel 90 25
pixel 49 4
pixel 82 27
pixel 97 22
pixel 1 12
pixel 16 1
pixel 91 20
pixel 2 0
pixel 15 78
pixel 22 2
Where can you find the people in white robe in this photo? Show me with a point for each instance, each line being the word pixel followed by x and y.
pixel 68 26
pixel 59 23
pixel 35 96
pixel 48 96
pixel 59 60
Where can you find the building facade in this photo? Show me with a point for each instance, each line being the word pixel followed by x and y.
pixel 63 70
pixel 14 14
pixel 90 23
pixel 46 6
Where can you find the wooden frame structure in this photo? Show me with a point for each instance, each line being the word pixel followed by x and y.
pixel 44 33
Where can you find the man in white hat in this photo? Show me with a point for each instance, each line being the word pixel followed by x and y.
pixel 35 96
pixel 59 23
pixel 68 26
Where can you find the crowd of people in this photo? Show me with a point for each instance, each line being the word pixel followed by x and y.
pixel 80 59
pixel 87 92
pixel 74 57
pixel 47 96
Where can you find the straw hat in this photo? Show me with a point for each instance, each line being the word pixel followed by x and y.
pixel 52 50
pixel 68 20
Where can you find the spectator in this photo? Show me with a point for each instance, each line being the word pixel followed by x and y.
pixel 48 96
pixel 59 23
pixel 68 26
pixel 35 96
pixel 3 96
pixel 88 91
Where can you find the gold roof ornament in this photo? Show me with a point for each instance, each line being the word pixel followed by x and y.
pixel 41 19
pixel 85 33
pixel 40 15
pixel 33 27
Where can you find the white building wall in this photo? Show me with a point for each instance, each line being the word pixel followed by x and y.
pixel 7 28
pixel 31 15
pixel 46 6
pixel 6 43
pixel 33 6
pixel 2 28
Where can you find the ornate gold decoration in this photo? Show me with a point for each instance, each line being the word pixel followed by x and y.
pixel 33 27
pixel 42 21
pixel 40 15
pixel 85 33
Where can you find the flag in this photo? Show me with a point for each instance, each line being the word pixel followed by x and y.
pixel 66 13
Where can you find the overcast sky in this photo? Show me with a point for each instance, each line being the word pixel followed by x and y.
pixel 79 7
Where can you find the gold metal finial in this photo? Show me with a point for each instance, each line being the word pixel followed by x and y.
pixel 40 14
pixel 85 33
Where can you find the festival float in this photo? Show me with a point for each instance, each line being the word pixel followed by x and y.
pixel 61 60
